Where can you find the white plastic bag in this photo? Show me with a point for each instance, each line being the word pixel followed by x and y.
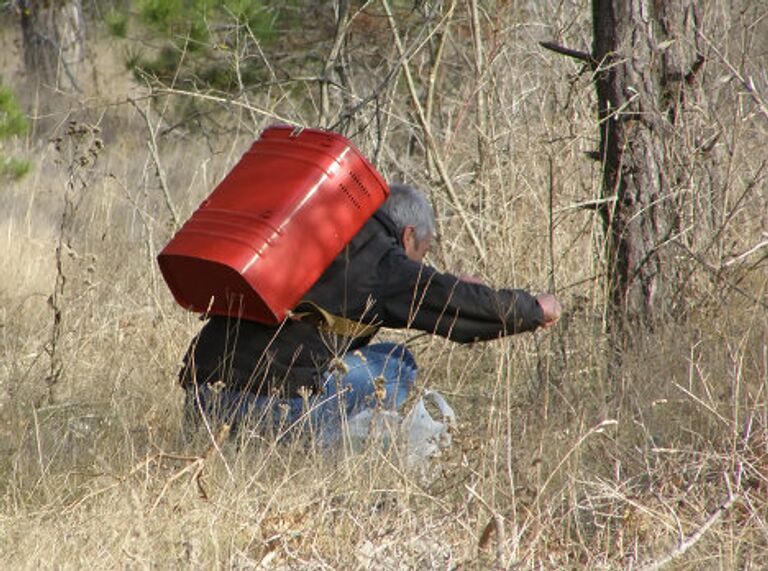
pixel 425 436
pixel 422 435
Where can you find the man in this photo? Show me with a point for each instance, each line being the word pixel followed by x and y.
pixel 319 365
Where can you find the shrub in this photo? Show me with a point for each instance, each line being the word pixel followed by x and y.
pixel 13 123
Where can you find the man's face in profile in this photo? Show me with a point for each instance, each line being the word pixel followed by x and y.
pixel 415 249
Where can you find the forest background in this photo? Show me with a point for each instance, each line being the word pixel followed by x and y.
pixel 118 117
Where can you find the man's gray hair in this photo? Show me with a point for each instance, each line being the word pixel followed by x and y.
pixel 407 206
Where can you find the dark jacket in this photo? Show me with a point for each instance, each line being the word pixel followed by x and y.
pixel 373 282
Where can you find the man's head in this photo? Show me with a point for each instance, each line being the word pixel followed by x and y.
pixel 414 218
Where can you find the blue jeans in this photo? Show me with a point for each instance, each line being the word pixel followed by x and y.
pixel 376 375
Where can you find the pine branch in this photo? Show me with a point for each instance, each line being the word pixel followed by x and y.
pixel 576 54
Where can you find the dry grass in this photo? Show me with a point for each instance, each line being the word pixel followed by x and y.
pixel 555 464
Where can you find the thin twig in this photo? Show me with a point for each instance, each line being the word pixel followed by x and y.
pixel 482 123
pixel 152 146
pixel 430 140
pixel 241 84
pixel 229 101
pixel 692 539
pixel 747 82
pixel 342 17
pixel 433 73
pixel 551 225
pixel 752 250
pixel 593 204
pixel 496 523
pixel 598 428
pixel 717 273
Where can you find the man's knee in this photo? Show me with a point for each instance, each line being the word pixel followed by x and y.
pixel 376 375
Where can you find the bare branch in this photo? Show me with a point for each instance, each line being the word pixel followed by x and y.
pixel 576 54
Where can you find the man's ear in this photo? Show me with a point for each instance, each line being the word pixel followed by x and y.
pixel 408 238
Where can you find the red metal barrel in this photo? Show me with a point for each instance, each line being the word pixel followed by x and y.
pixel 278 219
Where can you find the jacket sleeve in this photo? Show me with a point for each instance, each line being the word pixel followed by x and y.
pixel 418 296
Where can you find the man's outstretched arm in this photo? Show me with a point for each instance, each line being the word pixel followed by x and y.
pixel 417 296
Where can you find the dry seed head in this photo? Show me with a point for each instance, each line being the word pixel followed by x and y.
pixel 380 389
pixel 338 366
pixel 216 387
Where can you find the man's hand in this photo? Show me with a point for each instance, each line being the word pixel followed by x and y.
pixel 471 279
pixel 550 307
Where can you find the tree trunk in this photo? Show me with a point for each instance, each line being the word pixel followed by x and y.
pixel 54 40
pixel 642 59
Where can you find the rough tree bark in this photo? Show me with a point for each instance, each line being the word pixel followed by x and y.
pixel 643 54
pixel 54 40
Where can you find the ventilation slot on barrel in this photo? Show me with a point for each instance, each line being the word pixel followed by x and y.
pixel 362 191
pixel 350 196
